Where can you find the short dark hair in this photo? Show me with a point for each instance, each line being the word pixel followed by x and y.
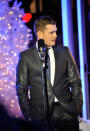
pixel 41 22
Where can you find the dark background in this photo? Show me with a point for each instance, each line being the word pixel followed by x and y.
pixel 53 8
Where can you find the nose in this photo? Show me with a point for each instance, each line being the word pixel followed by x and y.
pixel 55 34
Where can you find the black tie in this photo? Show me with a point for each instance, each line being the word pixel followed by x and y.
pixel 47 87
pixel 48 67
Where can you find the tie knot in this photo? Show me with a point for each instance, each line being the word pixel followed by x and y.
pixel 47 51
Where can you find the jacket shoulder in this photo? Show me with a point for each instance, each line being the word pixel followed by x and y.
pixel 27 52
pixel 62 48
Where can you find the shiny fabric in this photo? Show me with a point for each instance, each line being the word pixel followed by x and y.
pixel 61 120
pixel 66 88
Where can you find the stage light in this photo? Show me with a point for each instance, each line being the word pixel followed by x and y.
pixel 81 53
pixel 27 17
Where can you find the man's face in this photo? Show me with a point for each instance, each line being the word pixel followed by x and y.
pixel 49 35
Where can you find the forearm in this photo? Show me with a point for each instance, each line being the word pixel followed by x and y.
pixel 74 82
pixel 22 87
pixel 23 100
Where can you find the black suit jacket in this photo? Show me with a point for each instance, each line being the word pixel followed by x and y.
pixel 67 83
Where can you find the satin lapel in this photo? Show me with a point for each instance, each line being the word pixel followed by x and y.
pixel 56 65
pixel 36 57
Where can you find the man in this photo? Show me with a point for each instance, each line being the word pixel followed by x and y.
pixel 53 102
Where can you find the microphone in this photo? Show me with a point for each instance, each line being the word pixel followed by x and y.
pixel 41 45
pixel 42 50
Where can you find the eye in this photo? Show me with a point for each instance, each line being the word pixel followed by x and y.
pixel 53 32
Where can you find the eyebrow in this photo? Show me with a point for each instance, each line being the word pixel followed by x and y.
pixel 53 31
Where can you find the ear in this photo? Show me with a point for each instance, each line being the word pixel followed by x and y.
pixel 40 35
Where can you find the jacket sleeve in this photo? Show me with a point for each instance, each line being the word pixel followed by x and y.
pixel 74 83
pixel 22 86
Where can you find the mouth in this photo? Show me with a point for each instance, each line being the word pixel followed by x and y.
pixel 54 40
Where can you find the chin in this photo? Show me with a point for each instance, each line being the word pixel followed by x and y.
pixel 53 44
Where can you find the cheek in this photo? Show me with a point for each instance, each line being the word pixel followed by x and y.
pixel 47 39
